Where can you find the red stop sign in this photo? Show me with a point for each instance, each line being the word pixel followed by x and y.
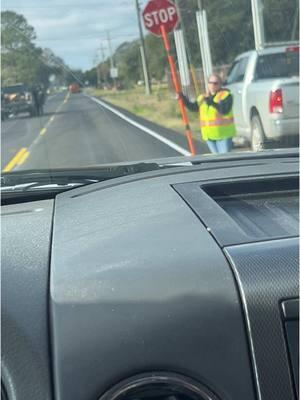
pixel 160 12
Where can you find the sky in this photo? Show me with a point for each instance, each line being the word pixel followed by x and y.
pixel 75 30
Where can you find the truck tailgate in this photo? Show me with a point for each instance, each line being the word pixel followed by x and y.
pixel 290 93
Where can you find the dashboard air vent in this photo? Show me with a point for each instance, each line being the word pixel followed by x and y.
pixel 159 386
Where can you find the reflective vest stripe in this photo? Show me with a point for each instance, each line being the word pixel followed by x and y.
pixel 217 122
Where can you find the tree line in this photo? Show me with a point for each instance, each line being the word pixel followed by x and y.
pixel 22 61
pixel 230 32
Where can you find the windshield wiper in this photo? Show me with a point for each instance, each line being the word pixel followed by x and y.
pixel 59 180
pixel 31 179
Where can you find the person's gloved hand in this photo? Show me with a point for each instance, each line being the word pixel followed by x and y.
pixel 178 96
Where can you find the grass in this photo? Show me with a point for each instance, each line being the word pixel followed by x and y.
pixel 160 107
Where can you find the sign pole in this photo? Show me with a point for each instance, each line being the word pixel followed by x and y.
pixel 177 89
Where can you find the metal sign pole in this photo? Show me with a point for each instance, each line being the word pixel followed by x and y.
pixel 188 52
pixel 206 44
pixel 258 23
pixel 182 61
pixel 202 50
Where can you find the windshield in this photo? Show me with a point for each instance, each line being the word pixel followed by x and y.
pixel 13 89
pixel 105 82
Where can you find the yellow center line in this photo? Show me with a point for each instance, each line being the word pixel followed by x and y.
pixel 23 158
pixel 14 161
pixel 44 130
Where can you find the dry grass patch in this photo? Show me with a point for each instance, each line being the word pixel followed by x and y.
pixel 160 107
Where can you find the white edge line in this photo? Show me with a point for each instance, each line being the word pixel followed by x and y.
pixel 168 142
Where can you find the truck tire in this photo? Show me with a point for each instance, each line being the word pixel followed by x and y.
pixel 257 134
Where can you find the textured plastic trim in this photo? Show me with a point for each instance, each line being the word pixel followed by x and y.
pixel 267 273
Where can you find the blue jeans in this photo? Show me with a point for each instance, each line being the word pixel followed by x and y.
pixel 220 146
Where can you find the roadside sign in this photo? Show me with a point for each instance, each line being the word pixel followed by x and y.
pixel 114 73
pixel 159 13
pixel 160 18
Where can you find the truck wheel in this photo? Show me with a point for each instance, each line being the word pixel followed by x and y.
pixel 257 134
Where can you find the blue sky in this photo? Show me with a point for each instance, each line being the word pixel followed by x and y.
pixel 75 29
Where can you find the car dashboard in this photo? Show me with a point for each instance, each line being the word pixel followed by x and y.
pixel 176 284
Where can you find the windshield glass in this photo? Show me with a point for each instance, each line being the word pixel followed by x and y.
pixel 87 83
pixel 13 89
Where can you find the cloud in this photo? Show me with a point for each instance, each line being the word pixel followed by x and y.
pixel 75 29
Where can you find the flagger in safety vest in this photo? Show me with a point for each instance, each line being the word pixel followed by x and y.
pixel 216 116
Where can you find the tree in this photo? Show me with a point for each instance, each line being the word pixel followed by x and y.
pixel 91 77
pixel 281 19
pixel 16 33
pixel 22 60
pixel 20 57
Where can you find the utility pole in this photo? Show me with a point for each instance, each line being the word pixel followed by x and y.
pixel 143 51
pixel 102 71
pixel 96 64
pixel 112 67
pixel 110 50
pixel 102 52
pixel 258 23
pixel 98 71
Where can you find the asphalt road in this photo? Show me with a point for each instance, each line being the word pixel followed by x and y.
pixel 76 131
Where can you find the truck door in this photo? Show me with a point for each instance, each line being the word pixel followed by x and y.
pixel 235 83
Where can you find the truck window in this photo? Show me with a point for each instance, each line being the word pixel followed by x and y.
pixel 237 71
pixel 232 74
pixel 242 69
pixel 279 65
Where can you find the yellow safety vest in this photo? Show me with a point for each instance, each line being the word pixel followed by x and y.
pixel 214 125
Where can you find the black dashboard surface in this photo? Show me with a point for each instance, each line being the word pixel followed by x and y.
pixel 25 257
pixel 134 282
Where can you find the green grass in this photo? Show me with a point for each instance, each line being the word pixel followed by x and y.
pixel 160 107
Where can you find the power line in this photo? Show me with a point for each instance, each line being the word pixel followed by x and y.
pixel 88 38
pixel 74 5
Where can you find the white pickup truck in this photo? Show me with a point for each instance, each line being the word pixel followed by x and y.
pixel 265 89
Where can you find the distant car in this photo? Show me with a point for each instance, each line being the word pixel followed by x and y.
pixel 16 99
pixel 74 88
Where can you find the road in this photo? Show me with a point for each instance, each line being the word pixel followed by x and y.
pixel 77 131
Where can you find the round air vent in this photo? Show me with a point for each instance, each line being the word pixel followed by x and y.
pixel 159 386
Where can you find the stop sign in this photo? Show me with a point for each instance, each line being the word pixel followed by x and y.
pixel 160 12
